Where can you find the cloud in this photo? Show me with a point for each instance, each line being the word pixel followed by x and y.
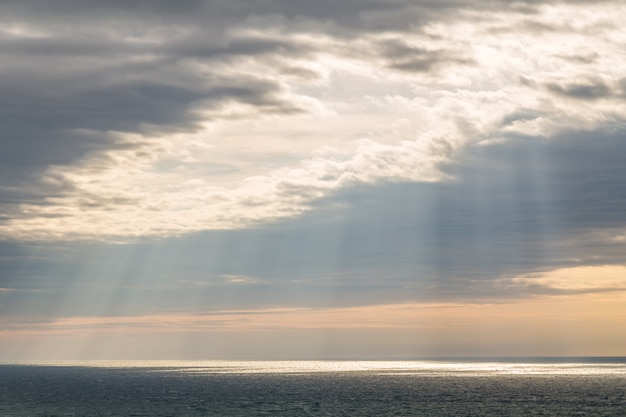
pixel 405 57
pixel 192 205
pixel 573 280
pixel 575 325
pixel 274 116
pixel 591 90
pixel 240 279
pixel 506 217
pixel 156 132
pixel 341 171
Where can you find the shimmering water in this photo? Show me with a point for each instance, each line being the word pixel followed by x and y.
pixel 323 388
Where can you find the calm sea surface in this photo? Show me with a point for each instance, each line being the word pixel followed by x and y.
pixel 324 388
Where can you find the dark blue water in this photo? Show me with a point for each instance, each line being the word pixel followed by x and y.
pixel 225 390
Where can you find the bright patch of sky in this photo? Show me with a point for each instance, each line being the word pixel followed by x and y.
pixel 309 160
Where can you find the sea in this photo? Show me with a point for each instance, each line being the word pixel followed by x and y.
pixel 450 387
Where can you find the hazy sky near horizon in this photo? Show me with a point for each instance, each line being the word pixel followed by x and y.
pixel 312 179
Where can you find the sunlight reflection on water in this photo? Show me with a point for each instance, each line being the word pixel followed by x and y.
pixel 310 388
pixel 422 367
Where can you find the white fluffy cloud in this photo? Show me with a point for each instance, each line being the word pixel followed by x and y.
pixel 274 130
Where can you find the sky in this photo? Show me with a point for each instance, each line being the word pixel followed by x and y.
pixel 291 179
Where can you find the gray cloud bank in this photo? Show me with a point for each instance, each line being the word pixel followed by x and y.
pixel 123 65
pixel 519 207
pixel 76 72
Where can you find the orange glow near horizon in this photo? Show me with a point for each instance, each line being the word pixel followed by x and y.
pixel 575 324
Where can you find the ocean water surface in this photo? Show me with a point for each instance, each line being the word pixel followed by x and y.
pixel 506 387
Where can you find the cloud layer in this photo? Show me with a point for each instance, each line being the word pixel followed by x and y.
pixel 193 124
pixel 297 161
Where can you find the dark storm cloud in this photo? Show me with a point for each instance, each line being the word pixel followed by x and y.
pixel 52 89
pixel 345 12
pixel 43 125
pixel 350 14
pixel 127 105
pixel 83 74
pixel 202 47
pixel 63 47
